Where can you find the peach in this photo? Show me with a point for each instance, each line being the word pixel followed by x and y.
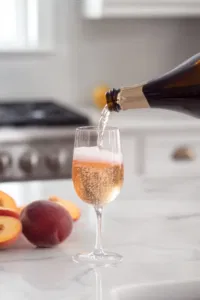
pixel 7 201
pixel 69 206
pixel 10 230
pixel 45 224
pixel 7 212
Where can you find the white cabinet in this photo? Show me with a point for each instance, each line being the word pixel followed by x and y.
pixel 128 143
pixel 97 9
pixel 151 152
pixel 133 152
pixel 172 156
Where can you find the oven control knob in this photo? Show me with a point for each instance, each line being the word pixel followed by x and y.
pixel 55 161
pixel 29 161
pixel 5 161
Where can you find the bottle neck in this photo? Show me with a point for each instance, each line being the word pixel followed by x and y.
pixel 132 98
pixel 112 100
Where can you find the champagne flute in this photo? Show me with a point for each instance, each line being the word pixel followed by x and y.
pixel 97 174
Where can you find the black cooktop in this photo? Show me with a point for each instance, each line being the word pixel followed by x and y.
pixel 39 113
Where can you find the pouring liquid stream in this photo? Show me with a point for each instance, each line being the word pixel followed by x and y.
pixel 103 121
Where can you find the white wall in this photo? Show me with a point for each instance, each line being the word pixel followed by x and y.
pixel 117 52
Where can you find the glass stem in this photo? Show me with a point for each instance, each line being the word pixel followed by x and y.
pixel 98 245
pixel 98 285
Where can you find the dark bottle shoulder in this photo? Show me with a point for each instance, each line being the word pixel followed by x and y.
pixel 185 74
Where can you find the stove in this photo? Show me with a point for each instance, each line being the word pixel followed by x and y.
pixel 38 114
pixel 36 140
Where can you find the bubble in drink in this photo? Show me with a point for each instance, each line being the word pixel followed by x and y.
pixel 97 174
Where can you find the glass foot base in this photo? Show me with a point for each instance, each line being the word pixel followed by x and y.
pixel 104 258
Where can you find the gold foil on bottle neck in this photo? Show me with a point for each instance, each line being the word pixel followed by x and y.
pixel 132 98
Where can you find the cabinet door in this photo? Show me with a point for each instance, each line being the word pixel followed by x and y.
pixel 169 156
pixel 128 149
pixel 141 8
pixel 133 153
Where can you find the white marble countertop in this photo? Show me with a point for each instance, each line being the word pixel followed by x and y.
pixel 151 232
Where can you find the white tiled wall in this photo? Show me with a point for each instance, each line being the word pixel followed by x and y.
pixel 117 52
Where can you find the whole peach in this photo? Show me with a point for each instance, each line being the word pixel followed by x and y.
pixel 46 224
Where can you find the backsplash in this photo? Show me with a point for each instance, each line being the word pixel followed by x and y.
pixel 89 53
